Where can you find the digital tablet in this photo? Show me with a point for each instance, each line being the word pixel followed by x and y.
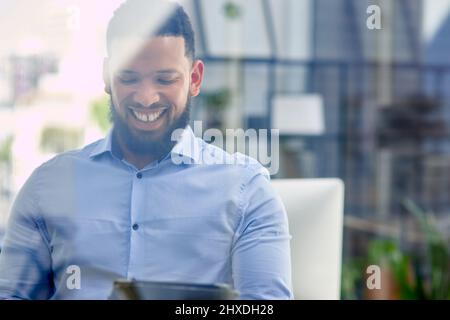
pixel 124 289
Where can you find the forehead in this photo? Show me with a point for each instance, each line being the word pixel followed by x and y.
pixel 140 54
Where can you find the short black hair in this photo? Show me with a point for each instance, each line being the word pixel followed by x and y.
pixel 133 18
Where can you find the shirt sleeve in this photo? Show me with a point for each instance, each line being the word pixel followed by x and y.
pixel 25 260
pixel 261 262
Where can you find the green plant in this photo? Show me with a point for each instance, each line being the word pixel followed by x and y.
pixel 388 254
pixel 215 104
pixel 100 113
pixel 413 275
pixel 232 10
pixel 57 140
pixel 217 100
pixel 437 284
pixel 5 149
pixel 351 277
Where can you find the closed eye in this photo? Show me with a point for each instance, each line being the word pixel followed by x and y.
pixel 166 82
pixel 128 81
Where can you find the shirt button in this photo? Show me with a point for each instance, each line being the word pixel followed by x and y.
pixel 139 175
pixel 135 226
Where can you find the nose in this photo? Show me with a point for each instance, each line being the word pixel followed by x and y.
pixel 146 95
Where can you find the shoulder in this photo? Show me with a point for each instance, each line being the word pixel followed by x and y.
pixel 246 166
pixel 66 159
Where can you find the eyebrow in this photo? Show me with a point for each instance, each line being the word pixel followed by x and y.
pixel 164 71
pixel 167 71
pixel 127 71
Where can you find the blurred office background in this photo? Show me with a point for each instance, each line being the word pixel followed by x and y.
pixel 371 107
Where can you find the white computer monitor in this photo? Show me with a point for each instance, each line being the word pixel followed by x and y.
pixel 315 214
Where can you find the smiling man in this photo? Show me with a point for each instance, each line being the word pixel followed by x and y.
pixel 122 208
pixel 151 84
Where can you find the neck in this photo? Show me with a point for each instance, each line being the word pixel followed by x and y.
pixel 138 160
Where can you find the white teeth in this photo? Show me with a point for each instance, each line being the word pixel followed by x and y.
pixel 147 117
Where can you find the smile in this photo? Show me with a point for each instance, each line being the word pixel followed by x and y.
pixel 148 117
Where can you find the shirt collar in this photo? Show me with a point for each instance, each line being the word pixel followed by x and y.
pixel 187 147
pixel 104 145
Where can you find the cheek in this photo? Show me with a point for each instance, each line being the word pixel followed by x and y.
pixel 179 108
pixel 119 94
pixel 182 95
pixel 178 99
pixel 117 105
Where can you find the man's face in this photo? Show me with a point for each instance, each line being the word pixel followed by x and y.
pixel 150 91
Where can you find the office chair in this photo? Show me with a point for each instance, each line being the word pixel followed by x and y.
pixel 315 213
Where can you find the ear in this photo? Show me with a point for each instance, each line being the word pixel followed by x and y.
pixel 196 77
pixel 106 76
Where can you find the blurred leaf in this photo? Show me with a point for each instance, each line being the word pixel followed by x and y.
pixel 217 100
pixel 100 113
pixel 57 140
pixel 5 149
pixel 232 10
pixel 437 252
pixel 387 252
pixel 351 276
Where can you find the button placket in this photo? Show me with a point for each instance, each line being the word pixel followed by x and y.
pixel 137 210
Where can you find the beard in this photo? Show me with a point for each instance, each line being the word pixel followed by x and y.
pixel 148 143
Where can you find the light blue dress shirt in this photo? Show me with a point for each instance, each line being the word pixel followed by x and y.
pixel 200 215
